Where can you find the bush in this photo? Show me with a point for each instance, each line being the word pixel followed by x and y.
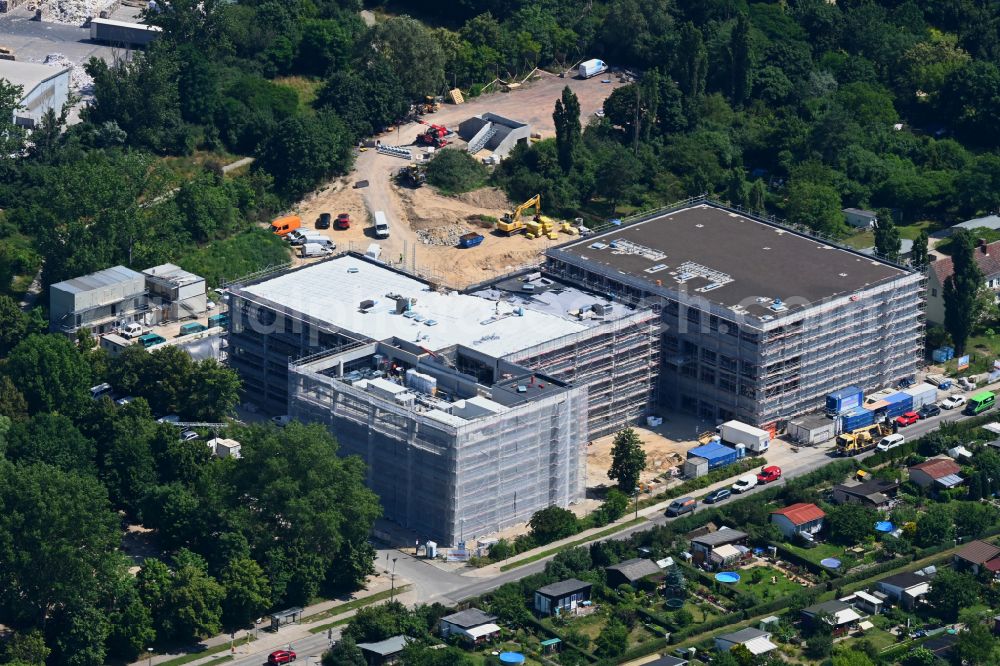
pixel 456 171
pixel 236 256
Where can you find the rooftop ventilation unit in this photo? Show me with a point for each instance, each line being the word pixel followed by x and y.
pixel 778 306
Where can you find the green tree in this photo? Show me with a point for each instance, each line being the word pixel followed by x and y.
pixel 567 121
pixel 951 592
pixel 58 540
pixel 740 61
pixel 628 460
pixel 692 65
pixel 345 653
pixel 305 510
pixel 26 648
pixel 52 439
pixel 303 150
pixel 758 192
pixel 15 326
pixel 976 645
pixel 972 519
pixel 552 523
pixel 615 505
pixel 849 657
pixel 935 526
pixel 850 524
pixel 78 635
pixel 919 255
pixel 50 373
pixel 418 654
pixel 131 622
pixel 192 603
pixel 921 656
pixel 816 206
pixel 248 593
pixel 819 645
pixel 456 171
pixel 961 291
pixel 213 392
pixel 508 603
pixel 613 639
pixel 887 239
pixel 368 99
pixel 414 54
pixel 376 623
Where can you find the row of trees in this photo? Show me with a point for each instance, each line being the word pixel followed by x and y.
pixel 286 522
pixel 785 106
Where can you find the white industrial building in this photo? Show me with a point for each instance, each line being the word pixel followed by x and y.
pixel 43 88
pixel 100 301
pixel 176 292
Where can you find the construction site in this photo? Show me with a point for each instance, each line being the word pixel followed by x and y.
pixel 761 322
pixel 547 338
pixel 426 225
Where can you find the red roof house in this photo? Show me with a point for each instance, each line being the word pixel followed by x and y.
pixel 940 472
pixel 798 518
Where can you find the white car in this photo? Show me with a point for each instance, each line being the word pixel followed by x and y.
pixel 169 418
pixel 890 442
pixel 188 435
pixel 953 402
pixel 744 483
pixel 281 421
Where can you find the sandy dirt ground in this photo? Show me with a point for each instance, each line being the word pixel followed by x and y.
pixel 662 455
pixel 425 225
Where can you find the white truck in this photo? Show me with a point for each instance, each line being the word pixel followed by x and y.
pixel 381 225
pixel 374 251
pixel 591 68
pixel 300 237
pixel 754 439
pixel 317 250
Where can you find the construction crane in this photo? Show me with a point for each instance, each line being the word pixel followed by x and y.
pixel 434 136
pixel 511 222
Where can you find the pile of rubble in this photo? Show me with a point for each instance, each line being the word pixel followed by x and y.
pixel 446 236
pixel 79 81
pixel 71 12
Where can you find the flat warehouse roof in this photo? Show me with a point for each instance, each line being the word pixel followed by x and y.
pixel 332 291
pixel 729 259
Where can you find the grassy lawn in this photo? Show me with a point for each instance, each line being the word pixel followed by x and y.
pixel 820 552
pixel 305 87
pixel 340 609
pixel 860 240
pixel 485 658
pixel 911 231
pixel 764 589
pixel 181 169
pixel 572 544
pixel 194 656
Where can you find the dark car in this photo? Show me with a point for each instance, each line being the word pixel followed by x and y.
pixel 718 495
pixel 323 221
pixel 281 657
pixel 928 411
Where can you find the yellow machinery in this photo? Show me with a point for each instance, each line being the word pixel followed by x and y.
pixel 511 222
pixel 862 439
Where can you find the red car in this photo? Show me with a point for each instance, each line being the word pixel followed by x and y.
pixel 343 221
pixel 281 657
pixel 769 474
pixel 909 418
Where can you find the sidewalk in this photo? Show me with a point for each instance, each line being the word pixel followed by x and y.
pixel 267 640
pixel 792 465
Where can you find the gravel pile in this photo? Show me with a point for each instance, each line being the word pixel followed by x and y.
pixel 445 236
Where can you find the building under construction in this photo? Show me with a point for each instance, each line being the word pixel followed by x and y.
pixel 760 321
pixel 472 410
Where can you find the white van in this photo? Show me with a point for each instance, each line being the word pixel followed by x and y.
pixel 131 330
pixel 890 442
pixel 303 237
pixel 317 249
pixel 381 225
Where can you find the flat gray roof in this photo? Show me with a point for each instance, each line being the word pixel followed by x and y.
pixel 173 274
pixel 105 278
pixel 728 259
pixel 28 75
pixel 470 617
pixel 563 587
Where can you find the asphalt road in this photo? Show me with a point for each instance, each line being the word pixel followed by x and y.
pixel 431 583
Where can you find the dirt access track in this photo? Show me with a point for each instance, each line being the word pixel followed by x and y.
pixel 424 224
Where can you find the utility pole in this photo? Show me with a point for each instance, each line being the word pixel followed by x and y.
pixel 392 579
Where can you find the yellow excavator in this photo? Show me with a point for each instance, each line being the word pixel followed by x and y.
pixel 862 439
pixel 511 222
